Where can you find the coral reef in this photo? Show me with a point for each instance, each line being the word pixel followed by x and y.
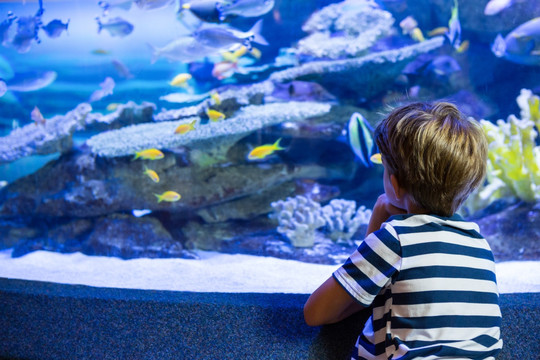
pixel 343 219
pixel 529 105
pixel 55 134
pixel 362 77
pixel 225 133
pixel 345 29
pixel 298 219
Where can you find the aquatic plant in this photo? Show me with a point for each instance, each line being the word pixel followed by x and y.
pixel 359 24
pixel 222 134
pixel 343 219
pixel 298 219
pixel 529 105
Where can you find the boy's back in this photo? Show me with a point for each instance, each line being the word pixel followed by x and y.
pixel 439 296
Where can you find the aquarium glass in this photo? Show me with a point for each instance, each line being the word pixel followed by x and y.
pixel 167 128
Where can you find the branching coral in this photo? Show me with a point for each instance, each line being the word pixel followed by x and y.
pixel 358 22
pixel 298 218
pixel 343 220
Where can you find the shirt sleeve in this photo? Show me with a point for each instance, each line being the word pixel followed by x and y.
pixel 371 266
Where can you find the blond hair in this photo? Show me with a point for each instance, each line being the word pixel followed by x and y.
pixel 436 154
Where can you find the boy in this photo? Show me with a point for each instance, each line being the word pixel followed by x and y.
pixel 427 274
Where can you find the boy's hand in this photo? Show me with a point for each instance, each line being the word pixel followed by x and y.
pixel 382 210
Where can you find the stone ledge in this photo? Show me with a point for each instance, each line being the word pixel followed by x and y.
pixel 41 320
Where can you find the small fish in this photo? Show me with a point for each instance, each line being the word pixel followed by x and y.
pixel 441 30
pixel 152 4
pixel 183 98
pixel 261 152
pixel 256 53
pixel 215 115
pixel 185 128
pixel 4 28
pixel 186 49
pixel 494 7
pixel 417 35
pixel 55 27
pixel 235 55
pixel 181 80
pixel 408 24
pixel 244 8
pixel 113 106
pixel 121 4
pixel 27 31
pixel 37 117
pixel 376 158
pixel 100 52
pixel 31 81
pixel 149 154
pixel 214 95
pixel 454 27
pixel 151 174
pixel 205 10
pixel 464 46
pixel 521 45
pixel 122 69
pixel 115 26
pixel 169 196
pixel 225 38
pixel 107 87
pixel 360 135
pixel 224 69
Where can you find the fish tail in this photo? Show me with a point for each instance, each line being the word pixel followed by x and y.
pixel 276 145
pixel 155 53
pixel 100 25
pixel 159 197
pixel 137 155
pixel 257 37
pixel 499 46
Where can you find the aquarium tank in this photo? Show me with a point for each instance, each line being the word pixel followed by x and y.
pixel 168 128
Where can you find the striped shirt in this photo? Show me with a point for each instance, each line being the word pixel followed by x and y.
pixel 431 282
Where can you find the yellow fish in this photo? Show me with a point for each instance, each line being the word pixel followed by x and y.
pixel 169 196
pixel 256 53
pixel 416 35
pixel 234 56
pixel 464 46
pixel 149 154
pixel 180 80
pixel 214 115
pixel 260 152
pixel 215 96
pixel 376 158
pixel 151 174
pixel 441 30
pixel 112 106
pixel 185 128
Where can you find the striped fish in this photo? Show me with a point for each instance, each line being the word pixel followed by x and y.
pixel 360 136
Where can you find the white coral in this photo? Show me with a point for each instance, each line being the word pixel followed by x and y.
pixel 298 218
pixel 343 220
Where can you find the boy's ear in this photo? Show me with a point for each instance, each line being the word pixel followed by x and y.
pixel 398 190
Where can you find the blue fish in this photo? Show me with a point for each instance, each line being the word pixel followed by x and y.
pixel 360 136
pixel 4 28
pixel 27 31
pixel 55 28
pixel 115 26
pixel 521 45
pixel 244 8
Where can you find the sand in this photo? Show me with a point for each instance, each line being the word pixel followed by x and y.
pixel 214 272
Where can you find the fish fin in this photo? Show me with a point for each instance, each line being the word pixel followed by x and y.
pixel 276 145
pixel 100 25
pixel 256 31
pixel 159 197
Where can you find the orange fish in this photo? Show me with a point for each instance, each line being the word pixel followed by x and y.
pixel 149 154
pixel 185 128
pixel 260 152
pixel 37 117
pixel 169 196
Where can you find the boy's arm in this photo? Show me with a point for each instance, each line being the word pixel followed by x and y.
pixel 328 304
pixel 382 210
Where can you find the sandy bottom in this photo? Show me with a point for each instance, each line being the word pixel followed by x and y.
pixel 214 272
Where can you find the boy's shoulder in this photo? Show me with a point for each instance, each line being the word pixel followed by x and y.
pixel 408 223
